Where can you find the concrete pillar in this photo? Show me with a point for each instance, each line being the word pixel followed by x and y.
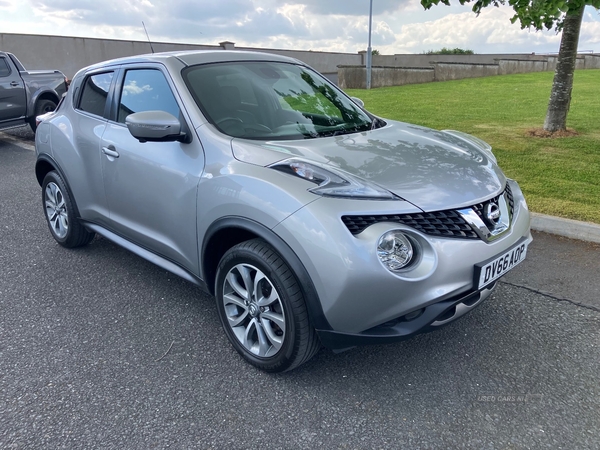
pixel 363 57
pixel 227 45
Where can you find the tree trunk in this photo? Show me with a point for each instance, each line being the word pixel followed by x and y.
pixel 560 97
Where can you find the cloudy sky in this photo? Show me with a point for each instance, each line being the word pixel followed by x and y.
pixel 399 26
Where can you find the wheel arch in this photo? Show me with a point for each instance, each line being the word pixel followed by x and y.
pixel 229 231
pixel 43 95
pixel 43 165
pixel 46 164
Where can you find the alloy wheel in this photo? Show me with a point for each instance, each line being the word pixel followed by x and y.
pixel 254 310
pixel 56 210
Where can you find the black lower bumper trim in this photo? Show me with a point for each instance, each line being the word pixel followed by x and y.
pixel 399 330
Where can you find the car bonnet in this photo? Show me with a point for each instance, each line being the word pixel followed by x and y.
pixel 429 168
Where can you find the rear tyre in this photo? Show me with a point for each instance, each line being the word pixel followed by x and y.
pixel 41 107
pixel 262 308
pixel 60 214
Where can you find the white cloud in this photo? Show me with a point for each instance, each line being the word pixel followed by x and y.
pixel 349 7
pixel 589 38
pixel 132 88
pixel 399 26
pixel 490 32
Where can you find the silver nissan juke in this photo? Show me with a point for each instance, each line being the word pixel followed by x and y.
pixel 312 221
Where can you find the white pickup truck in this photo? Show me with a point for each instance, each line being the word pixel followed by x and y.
pixel 25 94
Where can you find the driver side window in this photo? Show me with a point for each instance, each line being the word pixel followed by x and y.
pixel 146 90
pixel 4 68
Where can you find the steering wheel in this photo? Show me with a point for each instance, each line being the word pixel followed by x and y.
pixel 251 128
pixel 257 127
pixel 228 119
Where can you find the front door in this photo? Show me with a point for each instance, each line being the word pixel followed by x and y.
pixel 151 187
pixel 13 102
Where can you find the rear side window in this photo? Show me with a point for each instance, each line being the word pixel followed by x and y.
pixel 95 92
pixel 4 68
pixel 146 90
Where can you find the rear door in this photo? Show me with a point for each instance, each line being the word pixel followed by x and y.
pixel 151 187
pixel 13 101
pixel 81 134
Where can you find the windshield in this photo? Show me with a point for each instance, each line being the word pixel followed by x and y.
pixel 269 100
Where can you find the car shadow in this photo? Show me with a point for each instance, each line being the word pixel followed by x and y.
pixel 23 133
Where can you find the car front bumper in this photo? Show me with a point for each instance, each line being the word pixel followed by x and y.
pixel 427 319
pixel 365 303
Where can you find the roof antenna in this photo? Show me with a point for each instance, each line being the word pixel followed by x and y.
pixel 151 48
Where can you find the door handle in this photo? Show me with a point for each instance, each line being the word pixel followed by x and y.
pixel 15 83
pixel 110 152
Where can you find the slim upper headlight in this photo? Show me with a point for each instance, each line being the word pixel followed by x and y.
pixel 332 182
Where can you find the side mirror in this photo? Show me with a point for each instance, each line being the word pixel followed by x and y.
pixel 155 126
pixel 358 101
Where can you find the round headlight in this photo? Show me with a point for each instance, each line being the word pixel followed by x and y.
pixel 395 250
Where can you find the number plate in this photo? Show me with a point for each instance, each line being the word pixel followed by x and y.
pixel 487 272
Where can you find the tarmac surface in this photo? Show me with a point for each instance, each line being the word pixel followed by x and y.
pixel 561 268
pixel 101 349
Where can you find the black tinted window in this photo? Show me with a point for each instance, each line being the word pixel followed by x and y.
pixel 295 102
pixel 4 69
pixel 146 90
pixel 95 92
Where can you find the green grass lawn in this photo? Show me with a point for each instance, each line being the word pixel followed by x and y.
pixel 559 176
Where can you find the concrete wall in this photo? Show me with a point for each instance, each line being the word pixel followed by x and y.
pixel 445 71
pixel 425 60
pixel 69 54
pixel 580 62
pixel 324 62
pixel 592 61
pixel 510 66
pixel 356 76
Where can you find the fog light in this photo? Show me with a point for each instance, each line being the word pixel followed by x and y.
pixel 395 250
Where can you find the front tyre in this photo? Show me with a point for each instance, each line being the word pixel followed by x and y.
pixel 262 308
pixel 60 213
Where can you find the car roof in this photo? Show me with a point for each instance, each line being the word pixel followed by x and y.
pixel 193 57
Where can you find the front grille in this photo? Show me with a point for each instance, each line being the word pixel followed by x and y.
pixel 511 200
pixel 448 223
pixel 440 223
pixel 479 207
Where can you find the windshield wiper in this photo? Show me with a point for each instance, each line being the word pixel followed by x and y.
pixel 349 130
pixel 329 133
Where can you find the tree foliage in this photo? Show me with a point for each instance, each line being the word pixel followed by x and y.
pixel 449 51
pixel 537 14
